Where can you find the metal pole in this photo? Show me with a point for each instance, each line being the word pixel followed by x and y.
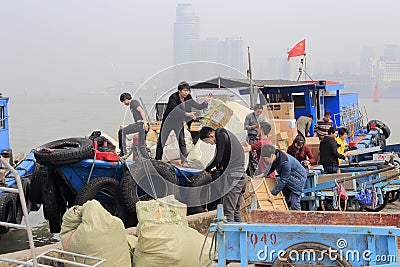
pixel 253 96
pixel 24 209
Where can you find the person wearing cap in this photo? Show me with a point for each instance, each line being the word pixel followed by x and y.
pixel 251 125
pixel 301 152
pixel 322 126
pixel 292 176
pixel 178 111
pixel 139 126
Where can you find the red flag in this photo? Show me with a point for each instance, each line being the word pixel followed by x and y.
pixel 298 50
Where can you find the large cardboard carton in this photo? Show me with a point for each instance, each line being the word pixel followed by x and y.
pixel 258 189
pixel 313 144
pixel 283 128
pixel 217 116
pixel 283 111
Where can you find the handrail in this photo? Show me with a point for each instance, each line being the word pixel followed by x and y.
pixel 24 208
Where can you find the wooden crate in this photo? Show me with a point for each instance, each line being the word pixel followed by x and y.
pixel 259 189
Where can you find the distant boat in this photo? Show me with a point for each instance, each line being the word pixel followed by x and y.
pixel 376 93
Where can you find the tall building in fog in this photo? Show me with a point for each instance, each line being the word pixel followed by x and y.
pixel 229 52
pixel 367 61
pixel 234 53
pixel 391 52
pixel 186 34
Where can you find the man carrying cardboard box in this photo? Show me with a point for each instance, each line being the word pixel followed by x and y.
pixel 292 176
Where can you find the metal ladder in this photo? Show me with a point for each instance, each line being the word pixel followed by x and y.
pixel 27 227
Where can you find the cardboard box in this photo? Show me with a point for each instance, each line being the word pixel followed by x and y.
pixel 312 141
pixel 281 136
pixel 217 116
pixel 287 127
pixel 314 150
pixel 283 110
pixel 282 145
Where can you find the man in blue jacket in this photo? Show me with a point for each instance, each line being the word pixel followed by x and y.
pixel 292 175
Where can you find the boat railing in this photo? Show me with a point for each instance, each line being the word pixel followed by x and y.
pixel 354 120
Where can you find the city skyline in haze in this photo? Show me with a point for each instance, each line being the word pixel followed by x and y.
pixel 74 46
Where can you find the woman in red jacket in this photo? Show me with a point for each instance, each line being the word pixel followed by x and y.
pixel 301 152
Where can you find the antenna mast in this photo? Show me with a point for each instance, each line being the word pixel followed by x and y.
pixel 253 91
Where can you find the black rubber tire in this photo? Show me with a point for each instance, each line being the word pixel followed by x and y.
pixel 106 186
pixel 129 193
pixel 385 129
pixel 379 207
pixel 18 208
pixel 393 196
pixel 201 179
pixel 40 173
pixel 329 255
pixel 7 210
pixel 64 151
pixel 53 205
pixel 159 172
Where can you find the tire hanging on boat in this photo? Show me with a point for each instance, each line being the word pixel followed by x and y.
pixel 147 180
pixel 54 206
pixel 63 151
pixel 104 190
pixel 39 174
pixel 7 210
pixel 379 124
pixel 18 207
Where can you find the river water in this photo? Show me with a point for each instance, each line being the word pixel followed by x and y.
pixel 38 119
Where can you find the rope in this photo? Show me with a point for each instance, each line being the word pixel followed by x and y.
pixel 91 168
pixel 212 254
pixel 147 171
pixel 69 239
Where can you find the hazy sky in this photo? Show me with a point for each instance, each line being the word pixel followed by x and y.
pixel 63 46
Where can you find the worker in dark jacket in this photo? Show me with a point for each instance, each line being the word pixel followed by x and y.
pixel 178 111
pixel 328 152
pixel 292 176
pixel 229 160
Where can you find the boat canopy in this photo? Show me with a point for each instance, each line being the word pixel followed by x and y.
pixel 309 97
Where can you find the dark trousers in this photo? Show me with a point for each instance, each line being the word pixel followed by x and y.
pixel 253 160
pixel 328 169
pixel 162 138
pixel 233 199
pixel 136 127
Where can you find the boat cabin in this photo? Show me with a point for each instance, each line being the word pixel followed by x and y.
pixel 308 97
pixel 4 132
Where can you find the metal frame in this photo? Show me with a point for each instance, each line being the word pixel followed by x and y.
pixel 242 242
pixel 27 227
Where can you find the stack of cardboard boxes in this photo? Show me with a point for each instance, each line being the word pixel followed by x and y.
pixel 281 118
pixel 281 111
pixel 257 190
